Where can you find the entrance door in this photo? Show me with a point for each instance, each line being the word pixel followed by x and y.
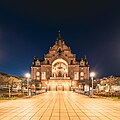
pixel 59 87
pixel 66 87
pixel 53 87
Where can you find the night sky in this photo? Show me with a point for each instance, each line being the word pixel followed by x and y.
pixel 88 27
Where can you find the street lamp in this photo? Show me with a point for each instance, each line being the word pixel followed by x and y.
pixel 92 74
pixel 27 75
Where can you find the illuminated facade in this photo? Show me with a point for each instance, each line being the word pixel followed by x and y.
pixel 60 70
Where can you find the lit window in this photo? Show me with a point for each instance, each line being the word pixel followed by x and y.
pixel 76 75
pixel 38 73
pixel 43 75
pixel 38 78
pixel 82 74
pixel 81 78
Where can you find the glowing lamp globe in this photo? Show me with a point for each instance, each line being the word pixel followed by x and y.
pixel 92 74
pixel 27 75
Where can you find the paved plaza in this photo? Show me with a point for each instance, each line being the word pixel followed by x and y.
pixel 60 105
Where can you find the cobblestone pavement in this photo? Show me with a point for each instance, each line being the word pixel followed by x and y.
pixel 60 106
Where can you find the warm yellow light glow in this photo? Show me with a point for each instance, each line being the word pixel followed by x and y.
pixel 92 74
pixel 59 61
pixel 27 75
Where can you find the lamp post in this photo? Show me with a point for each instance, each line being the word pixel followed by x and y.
pixel 46 86
pixel 92 74
pixel 9 91
pixel 27 75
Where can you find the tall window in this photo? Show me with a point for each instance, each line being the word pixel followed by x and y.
pixel 43 75
pixel 38 74
pixel 82 74
pixel 76 75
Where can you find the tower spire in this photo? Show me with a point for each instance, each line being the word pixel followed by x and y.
pixel 59 34
pixel 59 39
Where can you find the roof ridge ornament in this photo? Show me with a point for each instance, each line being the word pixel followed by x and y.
pixel 59 39
pixel 59 35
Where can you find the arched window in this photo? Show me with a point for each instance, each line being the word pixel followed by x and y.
pixel 60 68
pixel 48 62
pixel 60 50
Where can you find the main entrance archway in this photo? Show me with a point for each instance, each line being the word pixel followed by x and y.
pixel 59 85
pixel 59 68
pixel 60 81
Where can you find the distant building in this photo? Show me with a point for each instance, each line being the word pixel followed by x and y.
pixel 60 70
pixel 109 84
pixel 112 80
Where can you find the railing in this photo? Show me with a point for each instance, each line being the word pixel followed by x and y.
pixel 82 92
pixel 60 78
pixel 40 91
